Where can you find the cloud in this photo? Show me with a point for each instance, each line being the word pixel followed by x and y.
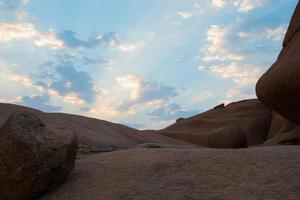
pixel 218 45
pixel 71 40
pixel 276 34
pixel 91 61
pixel 241 74
pixel 112 39
pixel 204 95
pixel 25 31
pixel 171 112
pixel 197 11
pixel 248 5
pixel 25 1
pixel 218 3
pixel 144 91
pixel 13 8
pixel 41 102
pixel 84 109
pixel 236 94
pixel 76 86
pixel 22 31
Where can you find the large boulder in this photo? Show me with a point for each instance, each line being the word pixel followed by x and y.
pixel 279 87
pixel 33 160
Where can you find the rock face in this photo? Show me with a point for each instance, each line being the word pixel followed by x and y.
pixel 279 87
pixel 33 160
pixel 185 173
pixel 283 131
pixel 227 137
pixel 239 124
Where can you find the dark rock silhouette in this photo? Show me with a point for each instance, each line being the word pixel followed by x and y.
pixel 283 131
pixel 279 87
pixel 33 160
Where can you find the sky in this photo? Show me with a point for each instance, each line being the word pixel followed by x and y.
pixel 140 63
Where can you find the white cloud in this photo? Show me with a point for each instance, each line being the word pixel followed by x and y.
pixel 218 47
pixel 201 68
pixel 25 1
pixel 218 3
pixel 132 82
pixel 26 31
pixel 276 34
pixel 197 11
pixel 247 5
pixel 241 74
pixel 205 95
pixel 128 47
pixel 235 94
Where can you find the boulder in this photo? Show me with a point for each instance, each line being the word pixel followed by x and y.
pixel 279 87
pixel 33 160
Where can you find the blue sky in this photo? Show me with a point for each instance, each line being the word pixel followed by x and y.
pixel 140 63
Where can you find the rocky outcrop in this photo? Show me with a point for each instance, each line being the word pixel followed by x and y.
pixel 33 159
pixel 279 87
pixel 239 124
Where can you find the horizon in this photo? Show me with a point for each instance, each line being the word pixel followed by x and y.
pixel 138 63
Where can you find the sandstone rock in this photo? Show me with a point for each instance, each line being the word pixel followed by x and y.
pixel 279 87
pixel 248 116
pixel 92 134
pixel 228 137
pixel 282 131
pixel 160 145
pixel 259 173
pixel 33 160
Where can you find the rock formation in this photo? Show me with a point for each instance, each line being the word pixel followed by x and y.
pixel 279 87
pixel 93 134
pixel 239 124
pixel 33 160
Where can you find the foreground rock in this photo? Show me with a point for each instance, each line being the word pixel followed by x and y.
pixel 33 160
pixel 185 173
pixel 239 124
pixel 279 87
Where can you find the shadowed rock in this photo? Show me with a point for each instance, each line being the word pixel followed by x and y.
pixel 228 137
pixel 279 87
pixel 33 160
pixel 282 131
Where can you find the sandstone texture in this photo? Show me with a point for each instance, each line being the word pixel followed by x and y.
pixel 185 173
pixel 33 160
